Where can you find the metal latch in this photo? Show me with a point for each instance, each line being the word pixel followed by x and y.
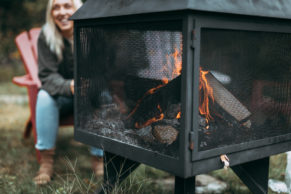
pixel 225 160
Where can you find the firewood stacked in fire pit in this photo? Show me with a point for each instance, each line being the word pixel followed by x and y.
pixel 154 117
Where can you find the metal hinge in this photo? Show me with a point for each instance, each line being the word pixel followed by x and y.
pixel 191 140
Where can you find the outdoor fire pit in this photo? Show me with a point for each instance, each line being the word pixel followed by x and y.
pixel 185 86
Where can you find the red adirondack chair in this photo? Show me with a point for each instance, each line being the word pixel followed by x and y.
pixel 27 46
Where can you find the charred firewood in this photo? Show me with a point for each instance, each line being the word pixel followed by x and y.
pixel 228 102
pixel 151 106
pixel 172 111
pixel 136 87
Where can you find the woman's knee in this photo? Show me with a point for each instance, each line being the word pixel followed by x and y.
pixel 44 99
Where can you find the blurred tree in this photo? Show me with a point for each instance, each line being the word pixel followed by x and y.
pixel 17 16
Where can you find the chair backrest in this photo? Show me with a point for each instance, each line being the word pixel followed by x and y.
pixel 33 34
pixel 27 47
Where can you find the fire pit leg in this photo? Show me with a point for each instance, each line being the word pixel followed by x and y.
pixel 183 186
pixel 254 174
pixel 116 169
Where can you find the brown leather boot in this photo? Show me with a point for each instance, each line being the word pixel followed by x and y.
pixel 45 171
pixel 98 166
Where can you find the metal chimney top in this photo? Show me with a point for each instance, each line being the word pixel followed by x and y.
pixel 109 8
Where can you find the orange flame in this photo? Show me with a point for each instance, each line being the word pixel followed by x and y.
pixel 165 81
pixel 204 97
pixel 152 120
pixel 178 63
pixel 176 71
pixel 178 115
pixel 173 71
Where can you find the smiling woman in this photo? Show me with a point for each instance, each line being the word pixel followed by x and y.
pixel 55 98
pixel 61 11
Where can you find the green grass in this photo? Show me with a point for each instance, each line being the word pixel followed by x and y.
pixel 73 172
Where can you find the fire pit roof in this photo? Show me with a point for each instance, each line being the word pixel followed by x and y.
pixel 107 8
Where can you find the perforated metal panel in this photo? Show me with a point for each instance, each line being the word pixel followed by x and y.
pixel 119 66
pixel 255 68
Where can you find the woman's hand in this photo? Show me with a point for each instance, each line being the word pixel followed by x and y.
pixel 72 86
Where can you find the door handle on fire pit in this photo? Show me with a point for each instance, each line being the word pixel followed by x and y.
pixel 225 160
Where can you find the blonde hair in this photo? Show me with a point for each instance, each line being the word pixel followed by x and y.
pixel 52 34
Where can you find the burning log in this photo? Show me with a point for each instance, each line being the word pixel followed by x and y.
pixel 151 106
pixel 228 102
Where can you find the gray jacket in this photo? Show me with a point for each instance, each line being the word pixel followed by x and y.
pixel 55 76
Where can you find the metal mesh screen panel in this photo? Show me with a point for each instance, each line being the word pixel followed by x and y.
pixel 128 83
pixel 249 73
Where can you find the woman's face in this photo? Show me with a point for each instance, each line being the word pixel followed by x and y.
pixel 61 11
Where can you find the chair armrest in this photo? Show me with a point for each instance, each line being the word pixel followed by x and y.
pixel 24 80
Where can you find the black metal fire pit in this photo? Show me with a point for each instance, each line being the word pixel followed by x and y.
pixel 179 85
